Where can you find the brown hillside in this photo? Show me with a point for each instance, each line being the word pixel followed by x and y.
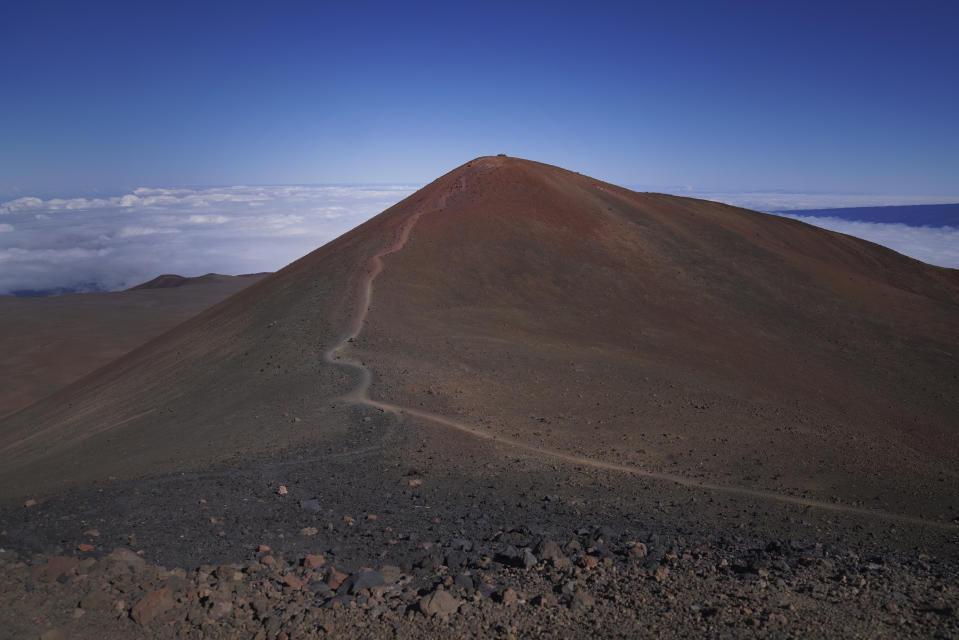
pixel 47 343
pixel 573 317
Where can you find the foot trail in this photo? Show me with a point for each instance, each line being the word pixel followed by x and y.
pixel 360 395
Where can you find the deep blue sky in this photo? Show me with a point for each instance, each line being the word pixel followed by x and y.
pixel 802 96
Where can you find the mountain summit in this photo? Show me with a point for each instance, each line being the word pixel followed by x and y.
pixel 561 316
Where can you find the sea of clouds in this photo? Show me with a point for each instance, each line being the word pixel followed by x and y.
pixel 934 245
pixel 105 244
pixel 938 245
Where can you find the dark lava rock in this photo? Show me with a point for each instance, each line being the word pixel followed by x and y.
pixel 312 506
pixel 456 559
pixel 464 581
pixel 548 549
pixel 365 580
pixel 462 544
pixel 513 558
pixel 320 589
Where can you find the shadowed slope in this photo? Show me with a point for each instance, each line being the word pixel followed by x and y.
pixel 50 342
pixel 244 378
pixel 652 331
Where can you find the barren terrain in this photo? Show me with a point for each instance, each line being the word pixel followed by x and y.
pixel 615 413
pixel 47 343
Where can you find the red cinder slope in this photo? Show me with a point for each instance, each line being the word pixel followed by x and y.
pixel 572 317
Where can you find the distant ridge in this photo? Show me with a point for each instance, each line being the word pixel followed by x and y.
pixel 47 342
pixel 90 287
pixel 166 281
pixel 172 280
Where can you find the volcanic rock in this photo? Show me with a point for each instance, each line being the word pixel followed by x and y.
pixel 151 605
pixel 439 603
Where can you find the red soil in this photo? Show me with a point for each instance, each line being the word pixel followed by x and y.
pixel 686 339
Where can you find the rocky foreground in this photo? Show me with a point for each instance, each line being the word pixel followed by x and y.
pixel 461 540
pixel 508 583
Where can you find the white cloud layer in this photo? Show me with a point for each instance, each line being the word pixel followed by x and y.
pixel 935 245
pixel 114 243
pixel 118 242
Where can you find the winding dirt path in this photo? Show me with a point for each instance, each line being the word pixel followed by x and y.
pixel 360 395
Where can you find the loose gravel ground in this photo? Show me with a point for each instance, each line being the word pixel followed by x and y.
pixel 387 533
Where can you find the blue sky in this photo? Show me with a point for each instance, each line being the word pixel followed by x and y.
pixel 138 138
pixel 104 97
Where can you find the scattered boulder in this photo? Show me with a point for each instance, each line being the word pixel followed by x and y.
pixel 462 544
pixel 548 550
pixel 130 557
pixel 97 601
pixel 464 581
pixel 521 559
pixel 313 561
pixel 366 580
pixel 456 559
pixel 294 581
pixel 54 568
pixel 440 603
pixel 335 578
pixel 390 573
pixel 320 589
pixel 151 605
pixel 529 560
